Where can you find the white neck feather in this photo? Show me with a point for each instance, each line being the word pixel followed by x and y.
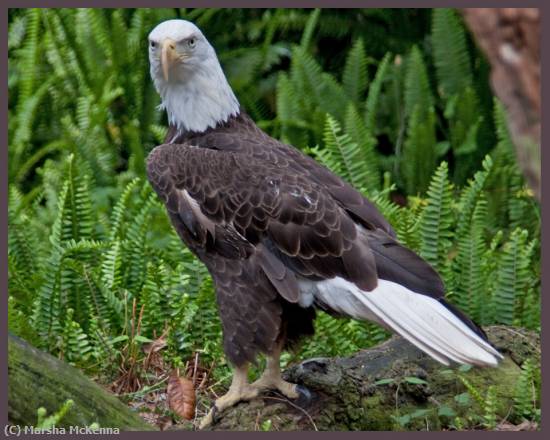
pixel 200 102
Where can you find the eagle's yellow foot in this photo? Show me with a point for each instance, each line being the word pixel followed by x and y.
pixel 271 378
pixel 273 381
pixel 239 390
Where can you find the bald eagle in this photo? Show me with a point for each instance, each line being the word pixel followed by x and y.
pixel 280 234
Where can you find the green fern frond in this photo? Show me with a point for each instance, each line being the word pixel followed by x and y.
pixel 525 394
pixel 26 115
pixel 106 302
pixel 408 227
pixel 309 28
pixel 317 87
pixel 512 278
pixel 375 89
pixel 470 196
pixel 120 209
pixel 150 300
pixel 354 76
pixel 18 322
pixel 289 113
pixel 159 133
pixel 451 56
pixel 490 408
pixel 437 220
pixel 74 220
pixel 29 56
pixel 344 156
pixel 356 128
pixel 135 244
pixel 47 313
pixel 75 346
pixel 390 210
pixel 16 32
pixel 469 282
pixel 22 244
pixel 101 32
pixel 111 267
pixel 126 49
pixel 418 159
pixel 418 95
pixel 531 309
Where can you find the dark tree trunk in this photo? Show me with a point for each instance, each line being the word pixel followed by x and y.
pixel 510 38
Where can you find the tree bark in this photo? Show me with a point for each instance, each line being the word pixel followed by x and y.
pixel 37 379
pixel 346 396
pixel 510 38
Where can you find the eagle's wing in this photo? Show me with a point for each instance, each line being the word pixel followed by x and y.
pixel 246 138
pixel 358 207
pixel 244 207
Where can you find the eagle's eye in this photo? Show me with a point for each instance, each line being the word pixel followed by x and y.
pixel 191 42
pixel 153 44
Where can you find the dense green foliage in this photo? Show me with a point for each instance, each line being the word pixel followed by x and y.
pixel 96 270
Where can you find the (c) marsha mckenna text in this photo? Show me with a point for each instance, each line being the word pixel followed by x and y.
pixel 82 430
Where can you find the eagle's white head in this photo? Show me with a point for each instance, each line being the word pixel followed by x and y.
pixel 188 77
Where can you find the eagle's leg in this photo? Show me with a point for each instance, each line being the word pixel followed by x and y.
pixel 239 390
pixel 271 378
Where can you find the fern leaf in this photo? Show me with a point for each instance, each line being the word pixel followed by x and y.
pixel 289 113
pixel 309 28
pixel 356 128
pixel 469 281
pixel 120 210
pixel 354 77
pixel 417 87
pixel 374 94
pixel 451 56
pixel 111 267
pixel 135 244
pixel 437 220
pixel 323 90
pixel 418 159
pixel 150 300
pixel 471 194
pixel 512 278
pixel 18 322
pixel 75 346
pixel 525 393
pixel 28 61
pixel 344 156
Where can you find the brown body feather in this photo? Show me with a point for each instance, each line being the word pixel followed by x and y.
pixel 261 216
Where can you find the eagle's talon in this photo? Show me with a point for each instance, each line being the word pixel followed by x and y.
pixel 304 396
pixel 215 412
pixel 207 420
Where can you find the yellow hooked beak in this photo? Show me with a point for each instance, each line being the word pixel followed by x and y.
pixel 168 55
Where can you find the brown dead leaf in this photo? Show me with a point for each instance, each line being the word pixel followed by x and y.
pixel 157 345
pixel 181 396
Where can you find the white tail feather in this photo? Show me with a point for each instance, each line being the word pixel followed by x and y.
pixel 420 319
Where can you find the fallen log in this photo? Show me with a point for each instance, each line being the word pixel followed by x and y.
pixel 37 379
pixel 389 387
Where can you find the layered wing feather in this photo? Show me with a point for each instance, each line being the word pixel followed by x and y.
pixel 241 206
